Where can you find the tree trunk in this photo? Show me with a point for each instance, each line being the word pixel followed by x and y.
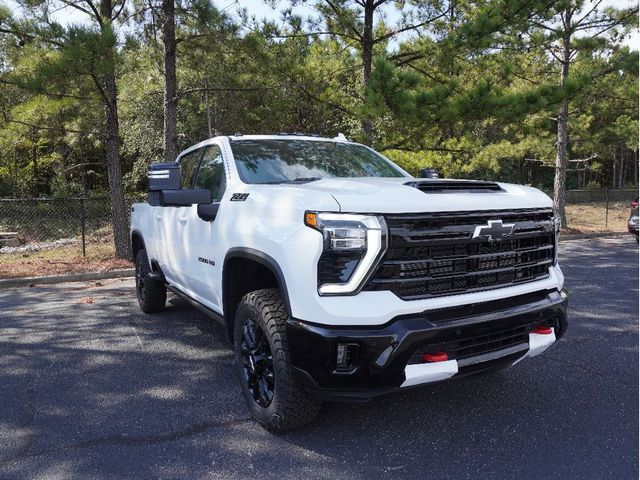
pixel 562 154
pixel 559 185
pixel 36 173
pixel 209 123
pixel 367 60
pixel 119 214
pixel 614 165
pixel 623 169
pixel 170 83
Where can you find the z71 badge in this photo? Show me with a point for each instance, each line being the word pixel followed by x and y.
pixel 239 197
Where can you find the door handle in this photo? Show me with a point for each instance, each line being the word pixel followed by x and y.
pixel 158 217
pixel 182 220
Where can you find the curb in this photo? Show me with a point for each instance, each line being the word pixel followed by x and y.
pixel 74 277
pixel 581 236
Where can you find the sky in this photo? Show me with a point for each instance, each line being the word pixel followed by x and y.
pixel 261 10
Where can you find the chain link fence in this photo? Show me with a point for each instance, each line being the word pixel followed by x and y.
pixel 57 235
pixel 43 236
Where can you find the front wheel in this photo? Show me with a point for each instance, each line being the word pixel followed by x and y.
pixel 263 360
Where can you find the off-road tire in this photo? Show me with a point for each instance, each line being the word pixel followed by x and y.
pixel 291 406
pixel 151 294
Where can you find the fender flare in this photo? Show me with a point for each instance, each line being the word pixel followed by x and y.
pixel 138 233
pixel 265 260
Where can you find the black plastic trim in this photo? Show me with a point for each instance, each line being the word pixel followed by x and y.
pixel 137 232
pixel 455 186
pixel 208 211
pixel 265 260
pixel 313 346
pixel 203 308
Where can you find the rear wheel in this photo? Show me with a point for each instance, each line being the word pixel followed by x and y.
pixel 263 360
pixel 152 294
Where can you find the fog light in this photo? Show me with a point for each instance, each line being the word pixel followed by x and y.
pixel 346 356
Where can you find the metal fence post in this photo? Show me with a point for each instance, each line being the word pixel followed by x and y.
pixel 606 211
pixel 83 220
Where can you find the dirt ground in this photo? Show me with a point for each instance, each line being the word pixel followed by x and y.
pixel 592 217
pixel 61 260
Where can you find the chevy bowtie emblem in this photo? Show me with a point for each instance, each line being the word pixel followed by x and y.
pixel 494 231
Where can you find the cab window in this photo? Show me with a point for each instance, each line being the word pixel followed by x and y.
pixel 188 164
pixel 211 172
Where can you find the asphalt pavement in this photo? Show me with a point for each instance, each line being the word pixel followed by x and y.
pixel 91 388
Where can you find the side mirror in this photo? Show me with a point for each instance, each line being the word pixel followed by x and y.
pixel 184 198
pixel 208 211
pixel 164 187
pixel 164 176
pixel 429 173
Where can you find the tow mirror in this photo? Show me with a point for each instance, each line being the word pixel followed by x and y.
pixel 165 191
pixel 184 198
pixel 164 176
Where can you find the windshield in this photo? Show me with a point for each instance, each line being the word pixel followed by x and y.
pixel 280 161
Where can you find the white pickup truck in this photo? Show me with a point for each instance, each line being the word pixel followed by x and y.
pixel 340 277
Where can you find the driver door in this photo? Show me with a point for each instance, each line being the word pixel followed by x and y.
pixel 204 271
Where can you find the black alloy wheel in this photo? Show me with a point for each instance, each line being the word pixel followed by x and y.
pixel 140 285
pixel 257 363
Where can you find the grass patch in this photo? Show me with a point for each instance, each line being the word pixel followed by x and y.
pixel 592 218
pixel 61 260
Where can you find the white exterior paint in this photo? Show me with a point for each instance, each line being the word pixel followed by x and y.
pixel 271 220
pixel 538 343
pixel 429 372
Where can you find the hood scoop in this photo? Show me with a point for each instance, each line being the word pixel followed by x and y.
pixel 454 186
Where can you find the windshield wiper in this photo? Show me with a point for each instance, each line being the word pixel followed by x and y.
pixel 304 180
pixel 295 180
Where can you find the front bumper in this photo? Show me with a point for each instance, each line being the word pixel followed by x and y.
pixel 476 337
pixel 633 227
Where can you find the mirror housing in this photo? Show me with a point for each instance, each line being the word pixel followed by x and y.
pixel 165 191
pixel 208 211
pixel 164 176
pixel 183 198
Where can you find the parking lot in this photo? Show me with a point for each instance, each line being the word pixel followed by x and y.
pixel 92 388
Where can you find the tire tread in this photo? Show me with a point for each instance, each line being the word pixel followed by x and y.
pixel 294 406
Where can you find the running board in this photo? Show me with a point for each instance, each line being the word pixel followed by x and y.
pixel 204 309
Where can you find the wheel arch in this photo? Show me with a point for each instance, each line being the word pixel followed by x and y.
pixel 244 270
pixel 137 243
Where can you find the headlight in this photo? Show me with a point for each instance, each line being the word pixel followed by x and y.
pixel 556 227
pixel 352 245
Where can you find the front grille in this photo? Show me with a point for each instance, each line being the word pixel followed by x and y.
pixel 434 254
pixel 478 345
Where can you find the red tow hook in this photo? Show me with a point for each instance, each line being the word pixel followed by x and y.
pixel 543 330
pixel 435 357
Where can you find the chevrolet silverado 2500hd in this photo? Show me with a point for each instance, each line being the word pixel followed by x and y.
pixel 340 277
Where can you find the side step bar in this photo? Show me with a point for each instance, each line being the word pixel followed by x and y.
pixel 204 309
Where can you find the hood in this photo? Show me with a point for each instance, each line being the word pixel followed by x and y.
pixel 392 195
